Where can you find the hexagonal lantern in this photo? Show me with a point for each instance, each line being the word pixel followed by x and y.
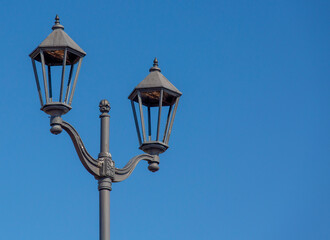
pixel 154 92
pixel 56 52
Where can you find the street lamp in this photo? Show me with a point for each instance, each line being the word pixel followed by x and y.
pixel 59 52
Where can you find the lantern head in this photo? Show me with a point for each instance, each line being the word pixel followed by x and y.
pixel 53 55
pixel 155 92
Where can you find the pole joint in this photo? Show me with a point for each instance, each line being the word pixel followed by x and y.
pixel 105 184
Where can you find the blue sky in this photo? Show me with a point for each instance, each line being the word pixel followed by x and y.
pixel 250 148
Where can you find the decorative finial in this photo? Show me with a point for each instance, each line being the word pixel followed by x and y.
pixel 57 23
pixel 155 66
pixel 155 62
pixel 57 20
pixel 104 106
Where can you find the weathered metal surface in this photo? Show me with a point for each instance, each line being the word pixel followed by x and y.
pixel 151 86
pixel 126 171
pixel 155 91
pixel 54 46
pixel 58 49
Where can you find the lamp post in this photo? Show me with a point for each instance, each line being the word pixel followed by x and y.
pixel 57 53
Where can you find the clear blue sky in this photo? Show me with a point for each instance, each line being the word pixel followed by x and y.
pixel 249 155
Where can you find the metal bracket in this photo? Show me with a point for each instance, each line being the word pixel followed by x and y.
pixel 123 173
pixel 92 165
pixel 104 167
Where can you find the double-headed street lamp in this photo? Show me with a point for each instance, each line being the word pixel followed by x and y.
pixel 58 53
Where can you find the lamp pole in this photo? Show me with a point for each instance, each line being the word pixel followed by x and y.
pixel 155 92
pixel 104 184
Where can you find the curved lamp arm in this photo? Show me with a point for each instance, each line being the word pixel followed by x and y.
pixel 123 173
pixel 91 165
pixel 102 167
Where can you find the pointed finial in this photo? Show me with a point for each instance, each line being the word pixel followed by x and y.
pixel 155 66
pixel 57 19
pixel 155 62
pixel 57 23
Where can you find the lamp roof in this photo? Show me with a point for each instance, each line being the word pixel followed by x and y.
pixel 58 39
pixel 155 80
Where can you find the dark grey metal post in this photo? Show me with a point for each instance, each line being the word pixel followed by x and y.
pixel 104 184
pixel 104 196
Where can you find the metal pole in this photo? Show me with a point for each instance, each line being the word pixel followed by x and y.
pixel 105 129
pixel 105 183
pixel 104 196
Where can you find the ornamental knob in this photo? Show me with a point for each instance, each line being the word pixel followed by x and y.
pixel 104 106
